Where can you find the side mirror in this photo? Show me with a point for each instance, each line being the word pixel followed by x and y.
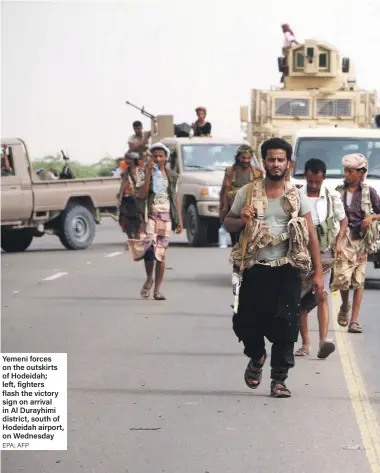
pixel 345 65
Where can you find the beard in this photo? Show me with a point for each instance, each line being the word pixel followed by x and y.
pixel 275 177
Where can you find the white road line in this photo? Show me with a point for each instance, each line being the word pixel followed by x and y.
pixel 116 253
pixel 55 276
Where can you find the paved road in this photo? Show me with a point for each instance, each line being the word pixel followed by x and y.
pixel 176 366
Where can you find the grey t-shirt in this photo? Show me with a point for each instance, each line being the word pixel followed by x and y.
pixel 276 218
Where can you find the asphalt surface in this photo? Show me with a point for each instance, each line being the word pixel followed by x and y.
pixel 176 367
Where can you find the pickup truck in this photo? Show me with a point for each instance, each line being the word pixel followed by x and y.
pixel 201 163
pixel 31 207
pixel 330 144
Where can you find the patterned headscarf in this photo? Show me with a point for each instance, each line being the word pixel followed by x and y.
pixel 355 161
pixel 243 149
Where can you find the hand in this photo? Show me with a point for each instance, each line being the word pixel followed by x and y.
pixel 150 165
pixel 366 223
pixel 222 215
pixel 179 228
pixel 338 251
pixel 247 213
pixel 318 285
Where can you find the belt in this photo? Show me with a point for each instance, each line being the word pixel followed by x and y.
pixel 274 263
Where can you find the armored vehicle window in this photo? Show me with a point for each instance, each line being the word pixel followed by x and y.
pixel 292 107
pixel 334 108
pixel 323 60
pixel 300 60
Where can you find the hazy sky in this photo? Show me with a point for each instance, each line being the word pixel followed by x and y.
pixel 68 67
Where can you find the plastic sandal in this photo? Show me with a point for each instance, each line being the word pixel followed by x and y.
pixel 279 386
pixel 254 372
pixel 303 351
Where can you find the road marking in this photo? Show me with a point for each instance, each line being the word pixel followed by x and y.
pixel 16 292
pixel 55 276
pixel 89 262
pixel 116 253
pixel 364 412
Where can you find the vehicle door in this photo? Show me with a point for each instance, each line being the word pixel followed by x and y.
pixel 16 187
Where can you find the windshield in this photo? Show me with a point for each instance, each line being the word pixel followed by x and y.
pixel 210 156
pixel 332 150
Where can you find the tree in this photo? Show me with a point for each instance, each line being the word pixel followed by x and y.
pixel 101 169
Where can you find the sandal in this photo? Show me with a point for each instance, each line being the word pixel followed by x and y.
pixel 343 316
pixel 354 327
pixel 159 297
pixel 254 373
pixel 303 351
pixel 145 291
pixel 278 389
pixel 325 349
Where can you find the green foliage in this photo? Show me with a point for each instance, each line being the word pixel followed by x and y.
pixel 101 169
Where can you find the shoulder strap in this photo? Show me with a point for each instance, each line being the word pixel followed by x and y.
pixel 329 209
pixel 249 193
pixel 366 199
pixel 244 239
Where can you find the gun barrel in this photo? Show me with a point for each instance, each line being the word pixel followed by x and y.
pixel 142 110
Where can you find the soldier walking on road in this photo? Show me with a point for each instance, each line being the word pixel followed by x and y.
pixel 326 208
pixel 162 216
pixel 359 241
pixel 278 235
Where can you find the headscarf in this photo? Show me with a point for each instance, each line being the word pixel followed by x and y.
pixel 160 146
pixel 243 149
pixel 287 29
pixel 201 109
pixel 355 161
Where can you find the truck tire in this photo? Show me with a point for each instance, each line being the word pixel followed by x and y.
pixel 77 229
pixel 14 241
pixel 196 227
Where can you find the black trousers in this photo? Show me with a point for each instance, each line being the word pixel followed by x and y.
pixel 269 307
pixel 234 238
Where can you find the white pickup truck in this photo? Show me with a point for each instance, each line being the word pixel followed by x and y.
pixel 330 145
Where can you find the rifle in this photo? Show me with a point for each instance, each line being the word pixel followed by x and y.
pixel 142 110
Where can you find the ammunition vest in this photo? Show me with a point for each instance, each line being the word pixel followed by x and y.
pixel 257 234
pixel 145 204
pixel 326 230
pixel 233 184
pixel 369 242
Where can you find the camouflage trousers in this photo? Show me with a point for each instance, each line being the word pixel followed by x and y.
pixel 349 273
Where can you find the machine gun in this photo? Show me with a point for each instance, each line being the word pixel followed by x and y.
pixel 142 110
pixel 66 172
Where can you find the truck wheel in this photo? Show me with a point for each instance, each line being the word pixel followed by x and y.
pixel 196 228
pixel 13 241
pixel 77 228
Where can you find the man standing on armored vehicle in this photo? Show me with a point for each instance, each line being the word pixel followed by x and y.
pixel 273 250
pixel 201 127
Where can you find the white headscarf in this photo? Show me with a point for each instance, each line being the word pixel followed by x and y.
pixel 160 146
